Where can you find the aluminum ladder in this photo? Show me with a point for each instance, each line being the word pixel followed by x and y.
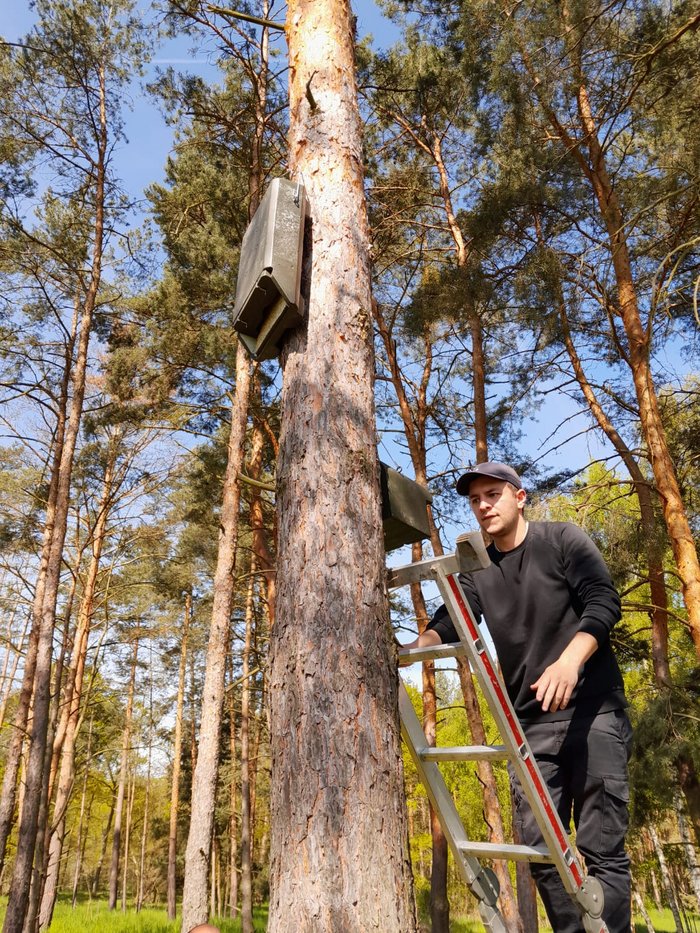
pixel 587 893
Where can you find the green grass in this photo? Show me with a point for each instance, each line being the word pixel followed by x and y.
pixel 94 916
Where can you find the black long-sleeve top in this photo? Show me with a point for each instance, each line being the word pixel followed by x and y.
pixel 534 599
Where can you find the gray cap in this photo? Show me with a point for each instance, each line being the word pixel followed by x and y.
pixel 491 468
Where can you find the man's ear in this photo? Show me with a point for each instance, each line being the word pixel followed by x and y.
pixel 521 497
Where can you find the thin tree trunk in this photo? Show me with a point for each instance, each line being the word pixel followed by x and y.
pixel 123 772
pixel 197 855
pixel 95 885
pixel 257 518
pixel 246 824
pixel 690 852
pixel 147 793
pixel 127 836
pixel 233 810
pixel 665 877
pixel 81 820
pixel 338 857
pixel 641 907
pixel 177 753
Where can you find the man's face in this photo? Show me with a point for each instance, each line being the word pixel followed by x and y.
pixel 496 504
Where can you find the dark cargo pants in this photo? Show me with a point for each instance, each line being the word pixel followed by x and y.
pixel 584 764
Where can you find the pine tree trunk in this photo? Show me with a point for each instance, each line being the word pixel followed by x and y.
pixel 177 754
pixel 641 907
pixel 121 789
pixel 131 786
pixel 246 823
pixel 147 794
pixel 339 857
pixel 79 845
pixel 666 877
pixel 233 810
pixel 690 851
pixel 654 550
pixel 197 855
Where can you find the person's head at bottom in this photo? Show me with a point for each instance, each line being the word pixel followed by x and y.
pixel 204 928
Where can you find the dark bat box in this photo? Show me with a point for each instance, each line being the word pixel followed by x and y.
pixel 404 515
pixel 268 292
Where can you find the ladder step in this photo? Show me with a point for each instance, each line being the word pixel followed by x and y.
pixel 506 851
pixel 456 650
pixel 464 753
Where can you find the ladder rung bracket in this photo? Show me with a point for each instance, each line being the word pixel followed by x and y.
pixel 421 570
pixel 464 753
pixel 435 653
pixel 508 851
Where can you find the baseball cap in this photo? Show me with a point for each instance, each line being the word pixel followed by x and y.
pixel 490 468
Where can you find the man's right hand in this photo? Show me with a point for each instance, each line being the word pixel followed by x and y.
pixel 428 639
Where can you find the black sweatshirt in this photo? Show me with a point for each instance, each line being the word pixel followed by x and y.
pixel 534 599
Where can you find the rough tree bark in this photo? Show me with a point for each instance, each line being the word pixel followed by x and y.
pixel 339 858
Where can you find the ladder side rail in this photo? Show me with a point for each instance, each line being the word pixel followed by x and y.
pixel 482 883
pixel 511 732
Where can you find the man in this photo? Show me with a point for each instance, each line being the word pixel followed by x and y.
pixel 549 605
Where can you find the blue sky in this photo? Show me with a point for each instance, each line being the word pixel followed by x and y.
pixel 142 158
pixel 149 138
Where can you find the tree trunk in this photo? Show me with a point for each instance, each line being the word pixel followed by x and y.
pixel 257 519
pixel 127 836
pixel 246 826
pixel 95 883
pixel 197 855
pixel 121 790
pixel 654 550
pixel 690 852
pixel 177 753
pixel 641 907
pixel 79 845
pixel 338 856
pixel 665 877
pixel 147 794
pixel 233 811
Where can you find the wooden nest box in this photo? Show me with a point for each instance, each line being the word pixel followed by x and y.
pixel 268 291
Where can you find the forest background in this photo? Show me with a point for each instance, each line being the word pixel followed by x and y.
pixel 532 181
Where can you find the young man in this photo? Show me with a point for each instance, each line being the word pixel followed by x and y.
pixel 549 605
